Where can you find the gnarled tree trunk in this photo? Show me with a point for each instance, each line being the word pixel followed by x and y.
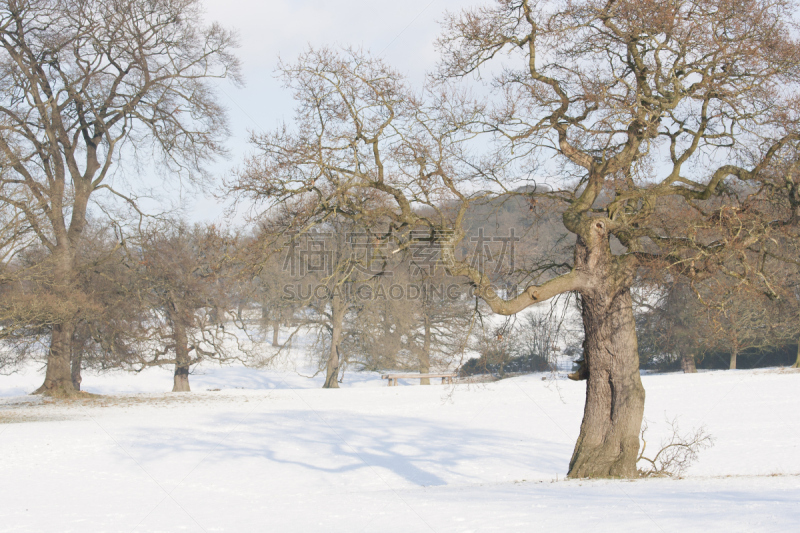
pixel 608 444
pixel 734 353
pixel 58 376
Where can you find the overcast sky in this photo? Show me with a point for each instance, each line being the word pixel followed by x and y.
pixel 402 31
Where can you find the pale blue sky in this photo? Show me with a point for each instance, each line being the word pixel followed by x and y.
pixel 403 31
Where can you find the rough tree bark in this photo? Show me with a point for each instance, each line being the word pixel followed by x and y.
pixel 734 353
pixel 58 376
pixel 608 443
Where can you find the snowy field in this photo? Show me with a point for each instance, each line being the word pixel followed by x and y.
pixel 273 452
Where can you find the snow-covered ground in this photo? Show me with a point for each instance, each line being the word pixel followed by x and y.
pixel 272 452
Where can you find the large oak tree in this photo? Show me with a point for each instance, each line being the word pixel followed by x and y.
pixel 641 110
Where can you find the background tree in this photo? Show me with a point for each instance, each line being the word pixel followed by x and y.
pixel 82 79
pixel 529 342
pixel 386 325
pixel 15 314
pixel 745 321
pixel 110 330
pixel 337 265
pixel 669 325
pixel 273 268
pixel 445 319
pixel 276 309
pixel 417 319
pixel 107 321
pixel 182 279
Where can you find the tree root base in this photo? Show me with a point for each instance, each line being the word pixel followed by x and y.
pixel 63 394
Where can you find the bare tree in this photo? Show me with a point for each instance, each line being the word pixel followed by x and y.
pixel 182 279
pixel 542 331
pixel 637 104
pixel 669 324
pixel 677 452
pixel 82 79
pixel 520 346
pixel 631 97
pixel 109 329
pixel 417 318
pixel 100 303
pixel 444 323
pixel 276 309
pixel 336 262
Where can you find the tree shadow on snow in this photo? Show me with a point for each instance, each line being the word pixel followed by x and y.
pixel 420 451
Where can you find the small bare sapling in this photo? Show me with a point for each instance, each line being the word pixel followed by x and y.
pixel 677 452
